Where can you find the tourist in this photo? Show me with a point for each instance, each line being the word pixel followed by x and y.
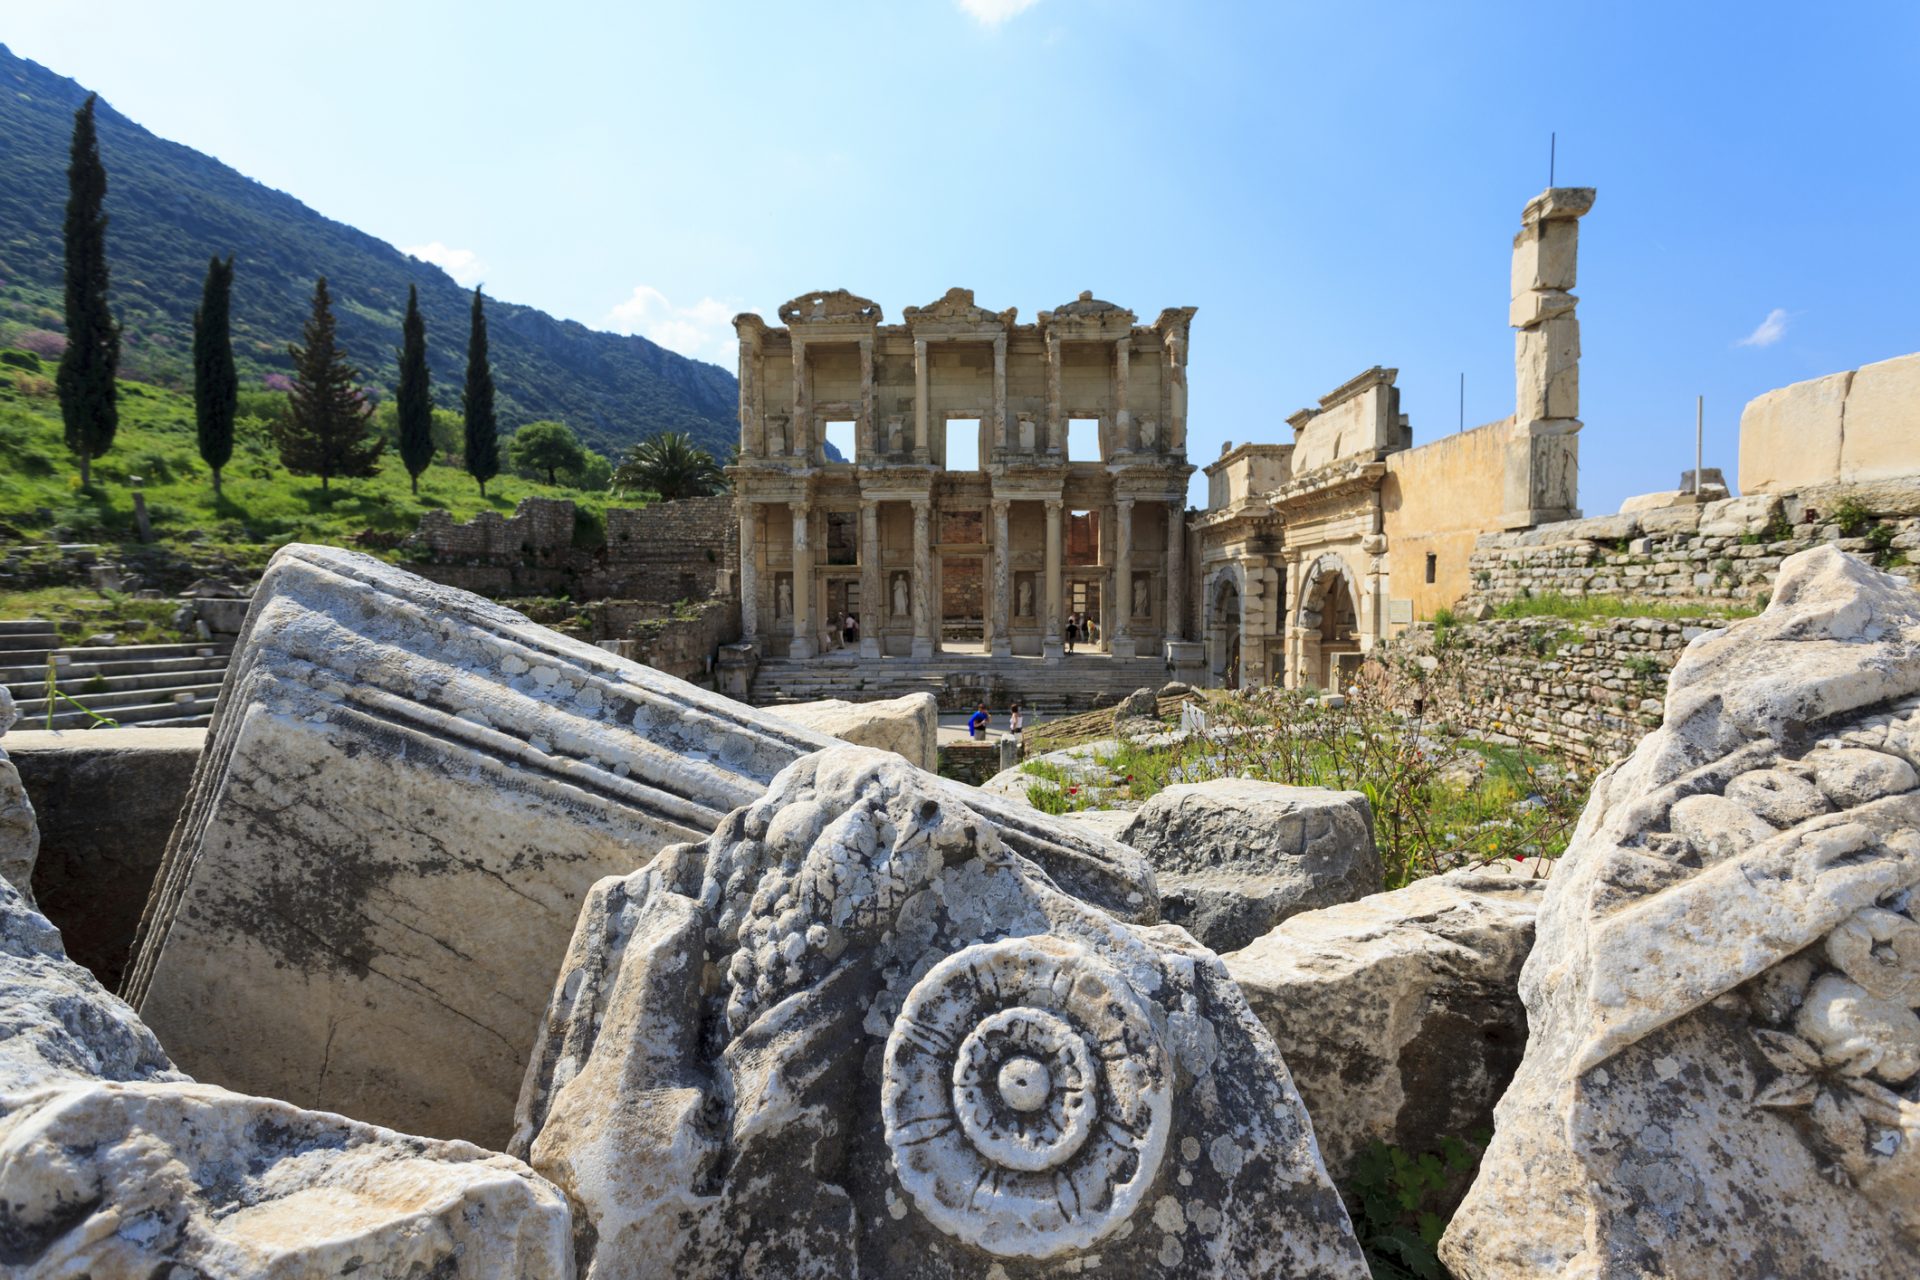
pixel 850 630
pixel 1073 630
pixel 1013 720
pixel 977 723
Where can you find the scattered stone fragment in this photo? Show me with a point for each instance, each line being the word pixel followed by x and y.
pixel 1399 1015
pixel 854 1033
pixel 1141 703
pixel 19 835
pixel 405 795
pixel 908 725
pixel 1235 857
pixel 1723 1053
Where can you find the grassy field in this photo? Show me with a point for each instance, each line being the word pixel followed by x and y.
pixel 263 506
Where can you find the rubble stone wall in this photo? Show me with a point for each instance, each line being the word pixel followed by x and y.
pixel 679 644
pixel 1582 691
pixel 1720 551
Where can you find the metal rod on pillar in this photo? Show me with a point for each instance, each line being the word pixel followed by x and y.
pixel 1699 439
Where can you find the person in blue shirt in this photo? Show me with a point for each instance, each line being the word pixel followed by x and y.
pixel 977 723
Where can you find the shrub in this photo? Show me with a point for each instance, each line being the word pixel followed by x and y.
pixel 1852 516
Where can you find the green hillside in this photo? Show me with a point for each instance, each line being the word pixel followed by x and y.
pixel 172 207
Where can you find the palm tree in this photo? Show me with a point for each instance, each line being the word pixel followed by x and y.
pixel 671 465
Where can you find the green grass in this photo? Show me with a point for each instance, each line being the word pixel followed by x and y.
pixel 1600 608
pixel 263 506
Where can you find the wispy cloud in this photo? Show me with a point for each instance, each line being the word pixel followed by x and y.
pixel 463 265
pixel 992 13
pixel 1768 332
pixel 703 330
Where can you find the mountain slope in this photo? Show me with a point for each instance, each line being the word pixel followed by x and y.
pixel 172 207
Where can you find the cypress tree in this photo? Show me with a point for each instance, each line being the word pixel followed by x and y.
pixel 88 401
pixel 483 440
pixel 415 398
pixel 325 431
pixel 216 388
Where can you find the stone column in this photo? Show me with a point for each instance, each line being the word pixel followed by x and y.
pixel 1176 628
pixel 1056 427
pixel 872 589
pixel 920 453
pixel 749 575
pixel 1000 393
pixel 923 637
pixel 1122 644
pixel 1000 608
pixel 803 639
pixel 1122 415
pixel 752 409
pixel 1543 452
pixel 1176 394
pixel 800 427
pixel 1051 645
pixel 864 431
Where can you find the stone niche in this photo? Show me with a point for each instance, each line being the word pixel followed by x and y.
pixel 855 1033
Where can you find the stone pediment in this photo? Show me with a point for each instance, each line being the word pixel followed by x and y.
pixel 1090 315
pixel 955 309
pixel 830 306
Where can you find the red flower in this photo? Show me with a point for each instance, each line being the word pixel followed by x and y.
pixel 1073 791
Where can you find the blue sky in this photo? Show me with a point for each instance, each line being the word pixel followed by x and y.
pixel 1333 186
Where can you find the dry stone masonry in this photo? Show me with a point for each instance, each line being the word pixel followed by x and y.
pixel 855 1033
pixel 1723 1067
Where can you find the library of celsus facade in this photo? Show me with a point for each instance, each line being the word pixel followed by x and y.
pixel 959 481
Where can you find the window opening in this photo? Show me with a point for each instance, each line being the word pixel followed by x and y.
pixel 963 444
pixel 1083 440
pixel 843 441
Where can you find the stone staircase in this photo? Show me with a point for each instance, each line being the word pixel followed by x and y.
pixel 960 681
pixel 162 685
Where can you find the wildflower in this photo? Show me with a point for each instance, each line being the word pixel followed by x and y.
pixel 1073 791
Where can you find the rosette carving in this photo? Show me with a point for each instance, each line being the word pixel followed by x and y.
pixel 1026 1097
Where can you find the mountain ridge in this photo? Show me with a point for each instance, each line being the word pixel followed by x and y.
pixel 172 207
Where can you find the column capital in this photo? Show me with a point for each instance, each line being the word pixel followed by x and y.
pixel 869 504
pixel 921 506
pixel 1125 503
pixel 1054 505
pixel 999 506
pixel 919 348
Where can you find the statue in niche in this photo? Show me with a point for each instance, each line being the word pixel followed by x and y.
pixel 1142 596
pixel 900 605
pixel 783 598
pixel 1023 603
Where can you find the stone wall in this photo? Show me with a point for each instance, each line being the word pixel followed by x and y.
pixel 537 525
pixel 1720 551
pixel 680 642
pixel 1863 424
pixel 1584 691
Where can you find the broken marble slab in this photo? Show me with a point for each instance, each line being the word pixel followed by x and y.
pixel 1399 1014
pixel 856 1032
pixel 113 1163
pixel 909 725
pixel 19 834
pixel 1722 1074
pixel 405 794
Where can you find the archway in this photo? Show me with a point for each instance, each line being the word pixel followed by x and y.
pixel 1328 622
pixel 1223 631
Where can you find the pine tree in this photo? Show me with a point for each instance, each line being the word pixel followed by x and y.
pixel 88 401
pixel 325 431
pixel 483 438
pixel 216 388
pixel 414 400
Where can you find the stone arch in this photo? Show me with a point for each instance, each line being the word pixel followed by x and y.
pixel 1226 609
pixel 1328 619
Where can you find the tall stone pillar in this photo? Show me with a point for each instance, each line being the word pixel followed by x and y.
pixel 1122 414
pixel 1000 608
pixel 749 575
pixel 865 437
pixel 872 589
pixel 920 381
pixel 1122 644
pixel 1176 374
pixel 1543 452
pixel 803 628
pixel 1000 393
pixel 1056 425
pixel 752 400
pixel 800 429
pixel 1051 647
pixel 1176 569
pixel 923 637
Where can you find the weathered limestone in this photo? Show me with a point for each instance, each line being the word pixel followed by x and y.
pixel 1235 857
pixel 405 795
pixel 106 801
pixel 19 834
pixel 1861 425
pixel 1723 1046
pixel 113 1164
pixel 909 726
pixel 853 1034
pixel 1399 1015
